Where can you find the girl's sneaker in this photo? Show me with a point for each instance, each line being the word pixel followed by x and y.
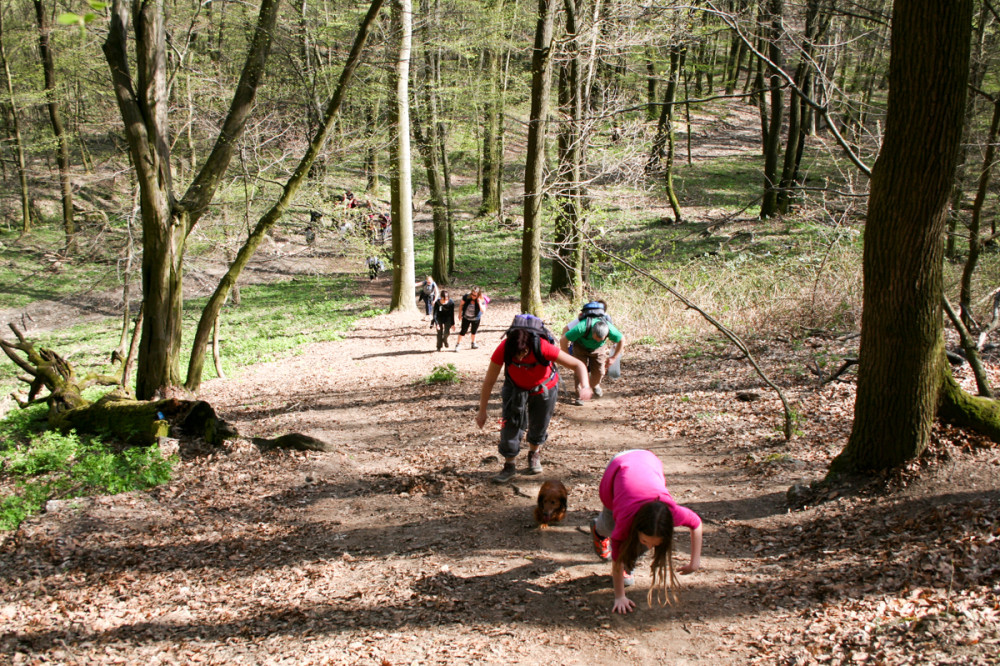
pixel 475 345
pixel 602 545
pixel 629 579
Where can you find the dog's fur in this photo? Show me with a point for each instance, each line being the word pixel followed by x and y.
pixel 551 503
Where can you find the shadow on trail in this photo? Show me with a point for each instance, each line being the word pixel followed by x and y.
pixel 436 600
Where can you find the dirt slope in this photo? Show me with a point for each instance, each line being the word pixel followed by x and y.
pixel 397 549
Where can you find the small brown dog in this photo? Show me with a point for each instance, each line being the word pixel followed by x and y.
pixel 551 504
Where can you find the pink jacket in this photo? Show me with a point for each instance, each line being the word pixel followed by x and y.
pixel 631 480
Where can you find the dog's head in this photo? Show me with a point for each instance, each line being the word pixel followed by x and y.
pixel 551 506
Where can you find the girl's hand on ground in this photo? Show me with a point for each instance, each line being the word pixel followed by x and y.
pixel 689 568
pixel 586 394
pixel 481 418
pixel 623 605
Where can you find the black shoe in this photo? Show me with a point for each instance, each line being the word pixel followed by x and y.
pixel 508 472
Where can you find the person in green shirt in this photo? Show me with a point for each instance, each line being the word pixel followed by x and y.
pixel 590 337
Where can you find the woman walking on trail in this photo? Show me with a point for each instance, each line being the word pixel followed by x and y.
pixel 639 514
pixel 473 305
pixel 530 391
pixel 444 318
pixel 428 295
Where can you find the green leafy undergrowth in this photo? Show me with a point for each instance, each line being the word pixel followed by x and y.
pixel 443 374
pixel 38 465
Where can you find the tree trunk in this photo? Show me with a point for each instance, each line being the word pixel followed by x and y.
pixel 427 135
pixel 534 175
pixel 901 368
pixel 492 135
pixel 166 222
pixel 567 268
pixel 975 224
pixel 772 138
pixel 403 276
pixel 270 218
pixel 62 139
pixel 15 131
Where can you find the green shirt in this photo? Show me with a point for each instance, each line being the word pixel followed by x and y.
pixel 582 335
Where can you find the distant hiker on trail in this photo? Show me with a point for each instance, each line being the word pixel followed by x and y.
pixel 473 305
pixel 427 293
pixel 443 318
pixel 375 266
pixel 589 337
pixel 530 390
pixel 639 514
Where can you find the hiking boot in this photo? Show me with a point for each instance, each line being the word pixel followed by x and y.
pixel 629 579
pixel 506 474
pixel 598 391
pixel 602 545
pixel 534 462
pixel 578 402
pixel 475 345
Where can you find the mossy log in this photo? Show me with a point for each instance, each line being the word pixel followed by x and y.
pixel 117 414
pixel 967 410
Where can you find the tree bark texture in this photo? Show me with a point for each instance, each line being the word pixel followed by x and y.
pixel 403 276
pixel 428 138
pixel 772 137
pixel 567 268
pixel 534 175
pixel 900 371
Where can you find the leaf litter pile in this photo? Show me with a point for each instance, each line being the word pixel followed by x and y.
pixel 397 549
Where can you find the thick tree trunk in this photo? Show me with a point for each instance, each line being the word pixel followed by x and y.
pixel 403 276
pixel 534 175
pixel 901 363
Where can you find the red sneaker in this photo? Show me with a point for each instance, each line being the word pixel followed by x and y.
pixel 602 545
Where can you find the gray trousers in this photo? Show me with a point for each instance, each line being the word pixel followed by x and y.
pixel 541 406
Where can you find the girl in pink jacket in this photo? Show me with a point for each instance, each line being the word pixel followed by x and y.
pixel 638 514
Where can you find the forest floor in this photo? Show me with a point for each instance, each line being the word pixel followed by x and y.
pixel 398 548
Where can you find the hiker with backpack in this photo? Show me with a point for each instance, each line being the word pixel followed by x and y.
pixel 443 318
pixel 589 336
pixel 471 309
pixel 428 294
pixel 527 355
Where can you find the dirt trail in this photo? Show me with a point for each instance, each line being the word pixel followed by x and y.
pixel 417 525
pixel 398 549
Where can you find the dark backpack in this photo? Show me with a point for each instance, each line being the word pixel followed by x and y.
pixel 536 328
pixel 591 313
